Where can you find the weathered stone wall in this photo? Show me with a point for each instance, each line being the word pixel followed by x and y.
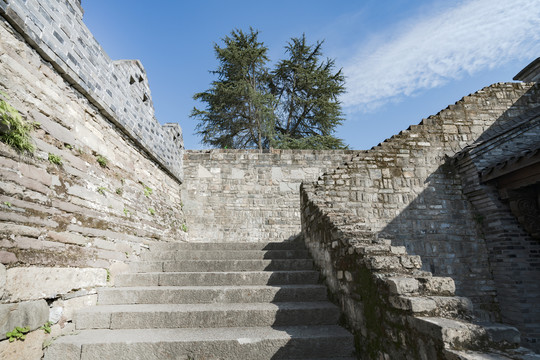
pixel 514 254
pixel 63 226
pixel 245 195
pixel 407 190
pixel 119 89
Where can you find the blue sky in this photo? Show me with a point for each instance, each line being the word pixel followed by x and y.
pixel 403 59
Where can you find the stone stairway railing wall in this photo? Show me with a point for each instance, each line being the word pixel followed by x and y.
pixel 246 195
pixel 62 227
pixel 407 191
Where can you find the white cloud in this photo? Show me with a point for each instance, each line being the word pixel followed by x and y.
pixel 472 36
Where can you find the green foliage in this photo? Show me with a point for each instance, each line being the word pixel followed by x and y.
pixel 55 159
pixel 315 142
pixel 68 146
pixel 101 190
pixel 19 333
pixel 152 211
pixel 7 203
pixel 307 89
pixel 126 212
pixel 14 130
pixel 108 275
pixel 47 327
pixel 295 106
pixel 119 191
pixel 184 228
pixel 102 160
pixel 239 105
pixel 147 191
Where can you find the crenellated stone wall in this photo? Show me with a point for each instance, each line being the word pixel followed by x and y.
pixel 246 195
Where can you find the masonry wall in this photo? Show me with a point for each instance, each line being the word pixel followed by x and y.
pixel 245 195
pixel 65 229
pixel 407 190
pixel 118 89
pixel 514 254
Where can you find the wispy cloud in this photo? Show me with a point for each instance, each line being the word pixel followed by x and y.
pixel 431 51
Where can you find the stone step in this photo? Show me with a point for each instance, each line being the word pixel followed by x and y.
pixel 225 255
pixel 210 294
pixel 222 265
pixel 253 343
pixel 173 246
pixel 217 278
pixel 207 315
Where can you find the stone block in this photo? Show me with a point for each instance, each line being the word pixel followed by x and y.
pixel 453 333
pixel 29 349
pixel 502 334
pixel 3 276
pixel 438 285
pixel 411 261
pixel 383 263
pixel 27 313
pixel 116 269
pixel 413 304
pixel 402 285
pixel 38 282
pixel 70 306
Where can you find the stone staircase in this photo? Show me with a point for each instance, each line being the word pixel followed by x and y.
pixel 211 301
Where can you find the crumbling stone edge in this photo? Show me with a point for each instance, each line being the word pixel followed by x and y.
pixel 394 309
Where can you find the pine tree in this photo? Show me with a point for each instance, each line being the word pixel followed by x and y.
pixel 239 105
pixel 307 91
pixel 295 106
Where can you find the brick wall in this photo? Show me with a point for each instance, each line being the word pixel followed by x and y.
pixel 245 195
pixel 119 89
pixel 63 226
pixel 513 253
pixel 407 190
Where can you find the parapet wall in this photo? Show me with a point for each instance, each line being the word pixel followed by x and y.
pixel 119 89
pixel 246 195
pixel 406 190
pixel 66 229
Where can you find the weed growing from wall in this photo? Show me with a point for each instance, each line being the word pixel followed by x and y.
pixel 14 131
pixel 102 160
pixel 55 159
pixel 147 191
pixel 47 327
pixel 19 333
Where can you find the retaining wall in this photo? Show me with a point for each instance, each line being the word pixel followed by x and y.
pixel 66 229
pixel 245 195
